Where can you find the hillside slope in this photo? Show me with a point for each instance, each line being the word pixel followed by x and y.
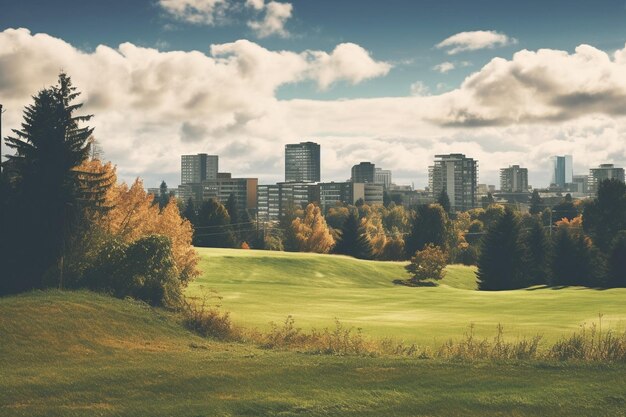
pixel 261 287
pixel 83 354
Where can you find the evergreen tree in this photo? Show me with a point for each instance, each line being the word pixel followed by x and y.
pixel 606 215
pixel 353 240
pixel 537 249
pixel 386 198
pixel 429 226
pixel 500 260
pixel 576 261
pixel 164 196
pixel 444 201
pixel 47 195
pixel 231 207
pixel 536 203
pixel 190 212
pixel 617 262
pixel 213 229
pixel 565 209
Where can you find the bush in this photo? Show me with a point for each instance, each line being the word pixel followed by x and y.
pixel 144 270
pixel 428 263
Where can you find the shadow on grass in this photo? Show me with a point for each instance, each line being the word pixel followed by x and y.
pixel 407 283
pixel 563 287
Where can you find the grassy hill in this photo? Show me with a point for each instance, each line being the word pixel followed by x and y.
pixel 259 287
pixel 83 354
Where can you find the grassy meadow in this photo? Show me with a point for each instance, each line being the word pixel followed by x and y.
pixel 259 287
pixel 84 354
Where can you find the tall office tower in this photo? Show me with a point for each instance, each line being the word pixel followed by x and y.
pixel 365 172
pixel 514 179
pixel 457 175
pixel 562 170
pixel 197 168
pixel 383 176
pixel 302 162
pixel 603 172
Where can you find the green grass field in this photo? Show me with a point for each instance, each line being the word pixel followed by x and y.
pixel 83 354
pixel 259 287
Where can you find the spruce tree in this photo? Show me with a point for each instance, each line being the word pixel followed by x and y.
pixel 47 193
pixel 353 240
pixel 213 227
pixel 576 261
pixel 536 259
pixel 429 226
pixel 605 217
pixel 617 262
pixel 164 197
pixel 190 212
pixel 500 260
pixel 231 207
pixel 444 201
pixel 536 203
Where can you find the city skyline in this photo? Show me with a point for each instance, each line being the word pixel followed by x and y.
pixel 243 78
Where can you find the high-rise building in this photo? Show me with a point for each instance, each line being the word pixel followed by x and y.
pixel 458 176
pixel 365 172
pixel 604 172
pixel 302 162
pixel 275 200
pixel 383 176
pixel 580 184
pixel 198 168
pixel 514 179
pixel 562 171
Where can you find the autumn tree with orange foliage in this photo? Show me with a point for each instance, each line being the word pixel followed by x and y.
pixel 131 215
pixel 311 233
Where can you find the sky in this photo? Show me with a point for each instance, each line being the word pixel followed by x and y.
pixel 393 82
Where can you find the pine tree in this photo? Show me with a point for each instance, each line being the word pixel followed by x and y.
pixel 576 261
pixel 430 225
pixel 353 240
pixel 537 249
pixel 190 212
pixel 213 230
pixel 231 207
pixel 164 197
pixel 47 193
pixel 536 203
pixel 500 260
pixel 617 262
pixel 444 201
pixel 605 217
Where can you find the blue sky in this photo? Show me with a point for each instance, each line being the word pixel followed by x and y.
pixel 359 101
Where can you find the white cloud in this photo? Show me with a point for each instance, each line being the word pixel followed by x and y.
pixel 418 88
pixel 347 62
pixel 152 106
pixel 471 41
pixel 273 22
pixel 195 11
pixel 444 67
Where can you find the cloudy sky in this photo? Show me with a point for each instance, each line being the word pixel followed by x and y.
pixel 393 82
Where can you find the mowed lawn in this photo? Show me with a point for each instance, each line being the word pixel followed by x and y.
pixel 259 287
pixel 84 354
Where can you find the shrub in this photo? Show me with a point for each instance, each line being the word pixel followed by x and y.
pixel 428 263
pixel 144 270
pixel 203 315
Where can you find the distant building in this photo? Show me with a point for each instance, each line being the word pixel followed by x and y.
pixel 458 176
pixel 349 192
pixel 604 172
pixel 562 171
pixel 275 200
pixel 580 184
pixel 198 168
pixel 302 162
pixel 383 176
pixel 220 188
pixel 365 172
pixel 514 179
